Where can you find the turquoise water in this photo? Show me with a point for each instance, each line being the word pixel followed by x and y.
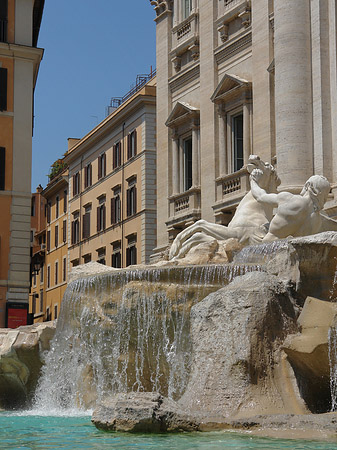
pixel 38 432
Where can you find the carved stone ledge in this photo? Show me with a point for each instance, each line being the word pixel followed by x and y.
pixel 162 7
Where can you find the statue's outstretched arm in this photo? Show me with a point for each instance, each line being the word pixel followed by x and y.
pixel 258 192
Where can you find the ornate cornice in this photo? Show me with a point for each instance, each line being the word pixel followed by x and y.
pixel 162 7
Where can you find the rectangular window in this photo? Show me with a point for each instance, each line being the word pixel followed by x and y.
pixel 187 145
pixel 187 8
pixel 48 241
pixel 41 273
pixel 3 20
pixel 101 216
pixel 48 314
pixel 131 255
pixel 116 208
pixel 57 206
pixel 33 206
pixel 34 297
pixel 64 269
pixel 55 312
pixel 48 207
pixel 101 166
pixel 3 89
pixel 117 155
pixel 87 258
pixel 2 168
pixel 75 230
pixel 48 276
pixel 86 223
pixel 64 231
pixel 34 279
pixel 76 184
pixel 65 201
pixel 116 258
pixel 56 236
pixel 56 273
pixel 88 176
pixel 101 255
pixel 41 300
pixel 237 141
pixel 131 199
pixel 132 144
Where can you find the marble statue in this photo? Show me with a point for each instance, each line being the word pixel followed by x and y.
pixel 296 215
pixel 254 222
pixel 249 224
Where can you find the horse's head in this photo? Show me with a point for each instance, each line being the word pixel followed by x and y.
pixel 269 179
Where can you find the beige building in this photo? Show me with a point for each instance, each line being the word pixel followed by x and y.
pixel 51 249
pixel 19 64
pixel 112 185
pixel 236 77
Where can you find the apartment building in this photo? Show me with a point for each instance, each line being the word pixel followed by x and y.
pixel 234 78
pixel 112 184
pixel 19 64
pixel 50 259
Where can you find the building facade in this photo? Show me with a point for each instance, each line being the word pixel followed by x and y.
pixel 234 78
pixel 49 278
pixel 19 64
pixel 112 186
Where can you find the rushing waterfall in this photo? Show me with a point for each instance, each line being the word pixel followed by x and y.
pixel 124 331
pixel 332 342
pixel 260 252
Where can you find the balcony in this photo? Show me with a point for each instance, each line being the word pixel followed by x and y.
pixel 185 34
pixel 230 190
pixel 184 208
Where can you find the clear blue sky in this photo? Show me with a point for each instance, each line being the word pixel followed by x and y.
pixel 93 51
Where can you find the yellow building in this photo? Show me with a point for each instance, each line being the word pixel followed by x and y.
pixel 19 63
pixel 112 185
pixel 49 284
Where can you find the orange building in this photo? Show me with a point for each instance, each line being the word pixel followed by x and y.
pixel 19 64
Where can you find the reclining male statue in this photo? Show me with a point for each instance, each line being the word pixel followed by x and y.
pixel 296 215
pixel 248 224
pixel 253 221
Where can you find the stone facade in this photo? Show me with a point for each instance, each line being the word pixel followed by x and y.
pixel 234 78
pixel 112 186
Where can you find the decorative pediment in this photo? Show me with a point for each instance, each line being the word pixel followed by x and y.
pixel 161 6
pixel 230 86
pixel 182 112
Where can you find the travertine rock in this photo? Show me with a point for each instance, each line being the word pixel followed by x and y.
pixel 142 412
pixel 237 333
pixel 21 358
pixel 91 268
pixel 308 352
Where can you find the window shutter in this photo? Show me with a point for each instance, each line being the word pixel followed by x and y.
pixel 56 235
pixel 3 89
pixel 86 176
pixel 48 241
pixel 64 231
pixel 135 143
pixel 74 185
pixel 127 256
pixel 98 219
pixel 128 201
pixel 103 225
pixel 119 154
pixel 73 232
pixel 114 160
pixel 3 9
pixel 113 211
pixel 99 167
pixel 129 146
pixel 2 168
pixel 104 164
pixel 134 200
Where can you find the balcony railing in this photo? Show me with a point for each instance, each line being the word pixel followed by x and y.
pixel 186 203
pixel 185 32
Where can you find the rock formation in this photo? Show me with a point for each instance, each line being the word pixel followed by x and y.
pixel 21 357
